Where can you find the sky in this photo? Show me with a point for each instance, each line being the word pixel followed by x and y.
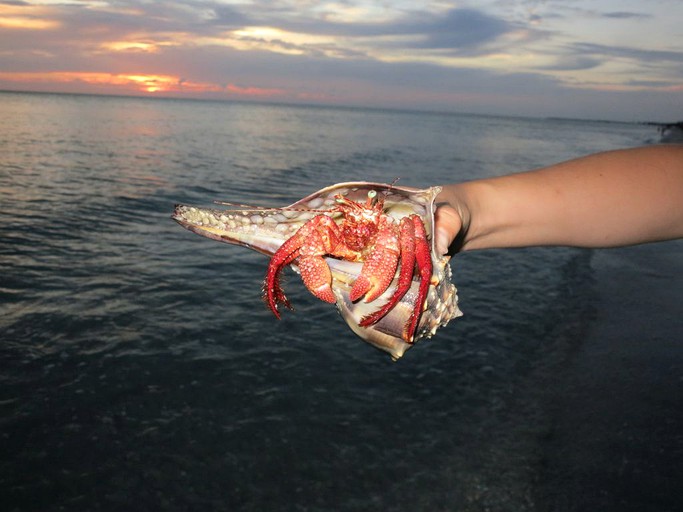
pixel 594 59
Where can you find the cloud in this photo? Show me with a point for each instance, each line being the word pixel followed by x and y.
pixel 454 29
pixel 572 63
pixel 135 26
pixel 462 28
pixel 623 15
pixel 628 52
pixel 227 16
pixel 407 53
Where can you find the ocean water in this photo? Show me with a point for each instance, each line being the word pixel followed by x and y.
pixel 140 370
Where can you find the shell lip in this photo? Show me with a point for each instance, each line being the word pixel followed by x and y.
pixel 425 196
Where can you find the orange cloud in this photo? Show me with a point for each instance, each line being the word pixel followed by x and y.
pixel 138 83
pixel 24 17
pixel 143 43
pixel 19 22
pixel 130 46
pixel 253 91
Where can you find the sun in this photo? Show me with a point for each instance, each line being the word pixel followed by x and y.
pixel 151 83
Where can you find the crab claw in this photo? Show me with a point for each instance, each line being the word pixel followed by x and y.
pixel 405 278
pixel 380 268
pixel 414 249
pixel 317 277
pixel 309 244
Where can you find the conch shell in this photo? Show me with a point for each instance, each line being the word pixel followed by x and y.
pixel 266 229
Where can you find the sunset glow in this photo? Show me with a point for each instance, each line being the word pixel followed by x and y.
pixel 128 46
pixel 598 58
pixel 138 83
pixel 25 17
pixel 18 22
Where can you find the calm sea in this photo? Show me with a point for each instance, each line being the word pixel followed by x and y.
pixel 140 370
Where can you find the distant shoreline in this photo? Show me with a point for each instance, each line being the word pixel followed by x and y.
pixel 377 108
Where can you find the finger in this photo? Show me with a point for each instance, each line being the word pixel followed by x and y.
pixel 447 226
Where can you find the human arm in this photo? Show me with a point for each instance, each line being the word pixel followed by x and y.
pixel 608 199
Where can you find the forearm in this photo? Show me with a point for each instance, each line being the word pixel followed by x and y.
pixel 608 199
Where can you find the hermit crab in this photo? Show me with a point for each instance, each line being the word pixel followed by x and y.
pixel 367 247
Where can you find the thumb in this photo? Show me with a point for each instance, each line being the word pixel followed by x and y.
pixel 447 225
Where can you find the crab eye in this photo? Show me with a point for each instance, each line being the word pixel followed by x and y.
pixel 372 199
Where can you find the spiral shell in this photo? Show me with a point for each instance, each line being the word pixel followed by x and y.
pixel 266 229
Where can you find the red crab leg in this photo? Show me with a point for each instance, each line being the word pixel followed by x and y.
pixel 423 256
pixel 407 245
pixel 273 294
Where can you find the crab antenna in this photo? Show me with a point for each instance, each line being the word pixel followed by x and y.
pixel 340 199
